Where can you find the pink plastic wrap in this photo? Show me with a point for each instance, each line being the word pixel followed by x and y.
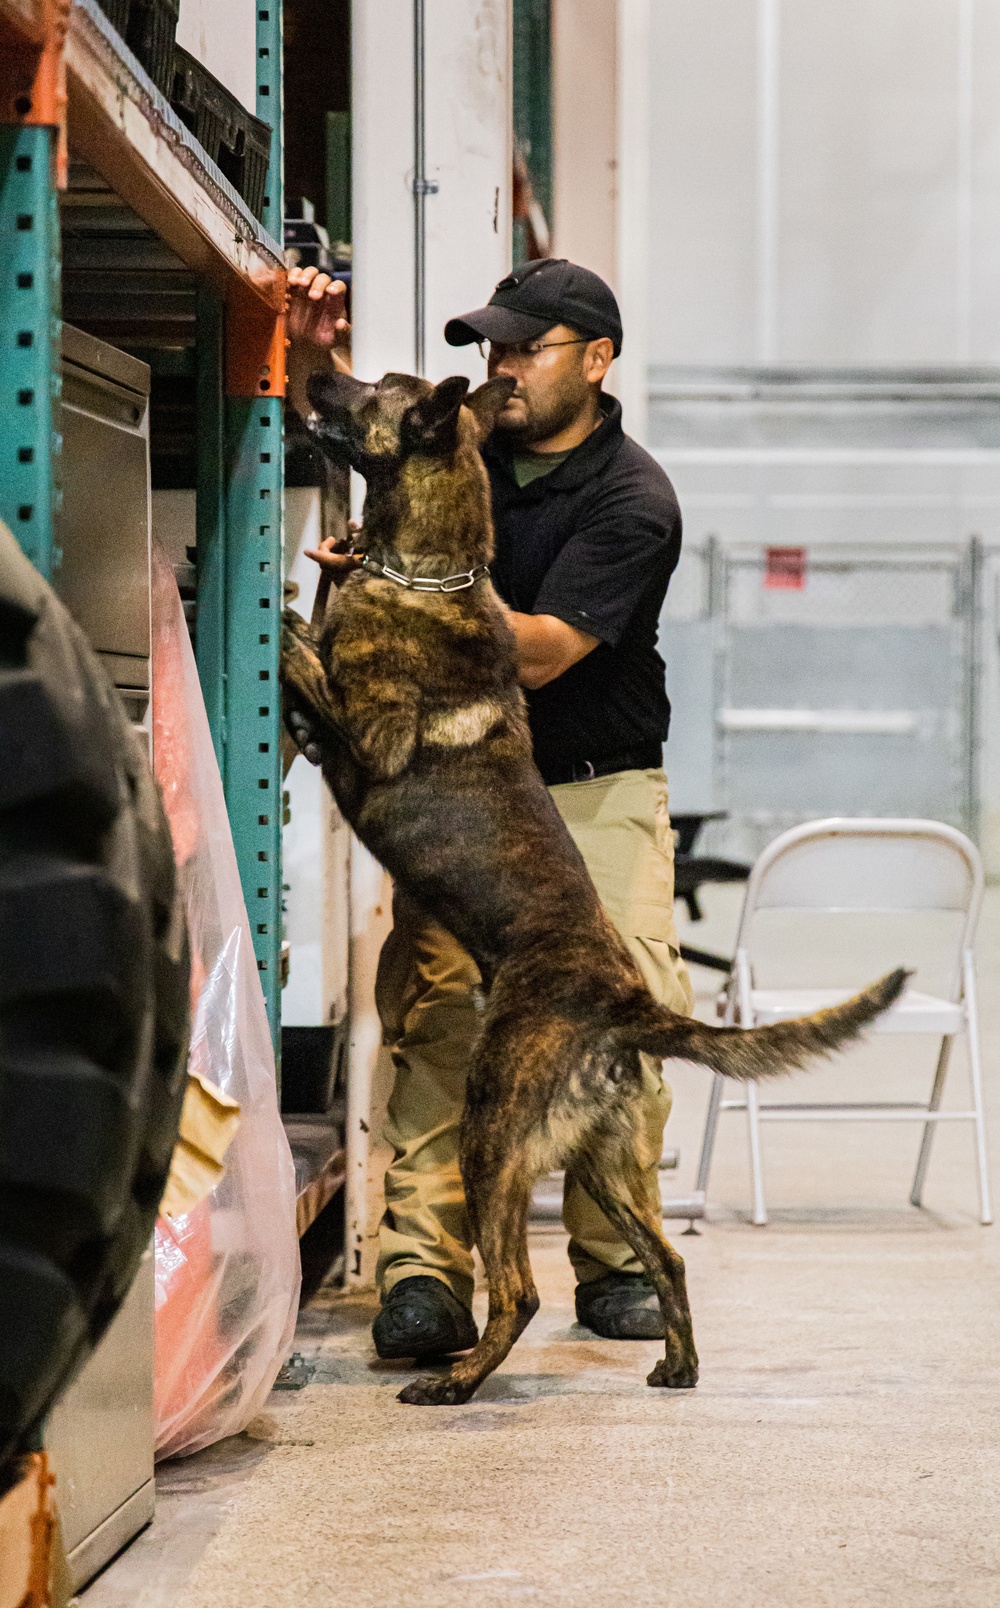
pixel 227 1273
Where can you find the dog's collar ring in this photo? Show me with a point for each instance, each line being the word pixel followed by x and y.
pixel 427 583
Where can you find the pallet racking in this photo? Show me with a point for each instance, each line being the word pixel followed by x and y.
pixel 69 86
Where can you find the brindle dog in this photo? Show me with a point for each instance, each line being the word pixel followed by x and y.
pixel 410 700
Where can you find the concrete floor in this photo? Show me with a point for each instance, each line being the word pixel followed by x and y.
pixel 840 1449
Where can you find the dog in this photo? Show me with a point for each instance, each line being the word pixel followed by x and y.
pixel 408 696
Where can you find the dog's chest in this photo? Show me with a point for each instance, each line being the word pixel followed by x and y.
pixel 431 648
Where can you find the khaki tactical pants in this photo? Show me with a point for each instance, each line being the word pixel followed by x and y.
pixel 424 991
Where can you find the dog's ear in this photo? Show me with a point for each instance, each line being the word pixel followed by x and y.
pixel 431 425
pixel 487 402
pixel 330 388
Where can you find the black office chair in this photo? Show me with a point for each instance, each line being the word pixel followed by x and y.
pixel 692 870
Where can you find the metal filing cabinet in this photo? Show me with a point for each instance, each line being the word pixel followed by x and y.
pixel 100 1439
pixel 100 1435
pixel 104 527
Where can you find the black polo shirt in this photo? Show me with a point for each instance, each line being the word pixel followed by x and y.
pixel 594 543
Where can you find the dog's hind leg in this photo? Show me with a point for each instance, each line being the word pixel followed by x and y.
pixel 498 1205
pixel 607 1169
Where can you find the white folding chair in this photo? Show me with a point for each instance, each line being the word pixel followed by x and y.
pixel 873 867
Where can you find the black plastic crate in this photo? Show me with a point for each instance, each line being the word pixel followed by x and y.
pixel 237 142
pixel 116 12
pixel 148 28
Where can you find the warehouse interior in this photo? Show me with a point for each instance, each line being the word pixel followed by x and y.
pixel 798 213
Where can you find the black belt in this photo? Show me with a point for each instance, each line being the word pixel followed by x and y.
pixel 645 756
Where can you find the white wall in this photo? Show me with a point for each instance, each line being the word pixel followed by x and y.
pixel 825 181
pixel 702 198
pixel 222 34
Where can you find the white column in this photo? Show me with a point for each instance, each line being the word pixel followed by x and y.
pixel 382 307
pixel 630 382
pixel 382 134
pixel 369 1069
pixel 315 839
pixel 468 49
pixel 584 133
pixel 768 177
pixel 963 182
pixel 601 171
pixel 467 52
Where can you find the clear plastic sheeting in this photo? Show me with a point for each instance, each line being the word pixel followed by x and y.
pixel 227 1273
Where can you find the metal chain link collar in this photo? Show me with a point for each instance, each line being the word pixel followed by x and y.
pixel 427 583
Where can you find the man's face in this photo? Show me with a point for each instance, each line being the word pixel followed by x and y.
pixel 553 383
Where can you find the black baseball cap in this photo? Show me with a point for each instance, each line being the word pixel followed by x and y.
pixel 536 295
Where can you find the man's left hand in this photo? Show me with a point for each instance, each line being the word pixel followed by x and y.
pixel 317 329
pixel 317 309
pixel 334 560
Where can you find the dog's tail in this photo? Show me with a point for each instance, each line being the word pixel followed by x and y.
pixel 760 1052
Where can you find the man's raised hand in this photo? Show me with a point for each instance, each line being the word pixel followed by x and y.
pixel 317 309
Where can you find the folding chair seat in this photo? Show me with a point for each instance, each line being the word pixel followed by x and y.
pixel 861 867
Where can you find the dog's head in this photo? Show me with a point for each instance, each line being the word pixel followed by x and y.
pixel 376 428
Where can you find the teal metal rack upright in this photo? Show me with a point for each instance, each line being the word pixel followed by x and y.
pixel 131 137
pixel 270 107
pixel 254 516
pixel 253 634
pixel 30 332
pixel 239 514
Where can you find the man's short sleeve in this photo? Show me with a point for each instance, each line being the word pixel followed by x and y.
pixel 602 572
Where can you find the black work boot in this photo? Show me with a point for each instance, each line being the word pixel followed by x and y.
pixel 421 1318
pixel 620 1306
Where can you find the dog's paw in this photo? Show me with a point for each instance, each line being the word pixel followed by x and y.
pixel 439 1390
pixel 297 628
pixel 668 1376
pixel 304 735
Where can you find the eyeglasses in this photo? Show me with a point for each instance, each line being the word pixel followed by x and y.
pixel 525 351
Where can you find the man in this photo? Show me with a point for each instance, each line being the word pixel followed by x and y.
pixel 588 534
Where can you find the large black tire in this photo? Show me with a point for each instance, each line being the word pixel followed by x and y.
pixel 93 1000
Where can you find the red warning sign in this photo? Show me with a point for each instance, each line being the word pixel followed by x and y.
pixel 785 569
